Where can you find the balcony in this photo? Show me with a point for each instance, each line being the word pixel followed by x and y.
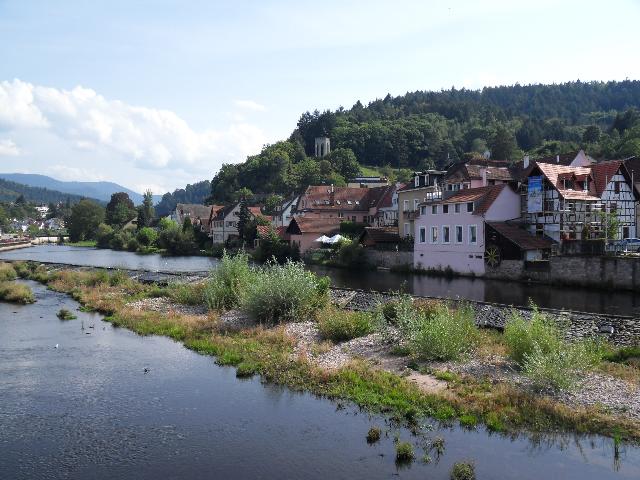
pixel 411 214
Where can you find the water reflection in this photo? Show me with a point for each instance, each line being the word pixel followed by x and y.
pixel 510 293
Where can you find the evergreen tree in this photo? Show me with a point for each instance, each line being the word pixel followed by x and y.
pixel 244 216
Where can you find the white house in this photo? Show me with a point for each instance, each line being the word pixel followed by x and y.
pixel 450 233
pixel 284 212
pixel 223 223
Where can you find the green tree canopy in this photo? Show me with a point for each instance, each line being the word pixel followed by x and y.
pixel 86 216
pixel 120 209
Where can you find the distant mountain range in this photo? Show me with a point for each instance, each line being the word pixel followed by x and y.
pixel 10 191
pixel 97 190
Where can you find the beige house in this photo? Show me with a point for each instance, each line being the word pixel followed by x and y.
pixel 423 187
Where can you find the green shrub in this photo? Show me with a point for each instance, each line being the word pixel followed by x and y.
pixel 373 435
pixel 64 314
pixel 104 235
pixel 341 325
pixel 547 359
pixel 448 334
pixel 23 269
pixel 351 254
pixel 118 277
pixel 16 293
pixel 132 244
pixel 468 420
pixel 622 354
pixel 187 294
pixel 147 236
pixel 521 336
pixel 7 272
pixel 560 368
pixel 285 293
pixel 404 452
pixel 463 471
pixel 227 283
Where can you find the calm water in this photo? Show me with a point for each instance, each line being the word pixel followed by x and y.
pixel 88 410
pixel 510 293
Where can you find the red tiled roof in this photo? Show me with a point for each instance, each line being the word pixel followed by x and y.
pixel 484 195
pixel 300 224
pixel 555 172
pixel 321 197
pixel 603 172
pixel 520 237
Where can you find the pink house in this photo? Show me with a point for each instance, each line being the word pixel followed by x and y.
pixel 450 233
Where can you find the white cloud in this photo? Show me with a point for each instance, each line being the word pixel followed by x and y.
pixel 8 148
pixel 103 138
pixel 250 105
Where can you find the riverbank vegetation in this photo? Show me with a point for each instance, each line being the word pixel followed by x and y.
pixel 264 347
pixel 11 291
pixel 64 314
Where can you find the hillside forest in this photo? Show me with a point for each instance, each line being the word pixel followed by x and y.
pixel 421 130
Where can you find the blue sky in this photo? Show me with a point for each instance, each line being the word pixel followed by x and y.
pixel 161 93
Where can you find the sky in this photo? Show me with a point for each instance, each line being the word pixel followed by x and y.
pixel 158 94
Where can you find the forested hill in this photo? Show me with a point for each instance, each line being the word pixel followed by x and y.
pixel 422 130
pixel 10 191
pixel 196 193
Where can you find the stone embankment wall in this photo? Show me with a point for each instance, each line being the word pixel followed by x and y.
pixel 619 330
pixel 597 272
pixel 389 259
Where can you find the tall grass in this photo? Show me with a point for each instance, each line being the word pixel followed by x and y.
pixel 342 325
pixel 16 293
pixel 227 284
pixel 187 293
pixel 285 293
pixel 7 272
pixel 437 333
pixel 546 357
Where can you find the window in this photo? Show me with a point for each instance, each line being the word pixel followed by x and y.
pixel 616 187
pixel 416 181
pixel 625 232
pixel 445 208
pixel 445 234
pixel 469 207
pixel 406 230
pixel 423 234
pixel 458 233
pixel 416 201
pixel 457 208
pixel 423 210
pixel 434 234
pixel 434 209
pixel 548 206
pixel 473 234
pixel 340 215
pixel 353 219
pixel 406 205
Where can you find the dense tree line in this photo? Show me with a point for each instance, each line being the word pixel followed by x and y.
pixel 423 130
pixel 196 193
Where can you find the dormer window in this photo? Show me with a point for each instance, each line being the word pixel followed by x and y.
pixel 416 180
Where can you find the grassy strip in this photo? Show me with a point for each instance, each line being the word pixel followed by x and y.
pixel 82 243
pixel 267 352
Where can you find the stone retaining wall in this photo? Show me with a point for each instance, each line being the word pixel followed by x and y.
pixel 389 259
pixel 585 271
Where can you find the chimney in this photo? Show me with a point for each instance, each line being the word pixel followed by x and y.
pixel 526 161
pixel 484 177
pixel 557 158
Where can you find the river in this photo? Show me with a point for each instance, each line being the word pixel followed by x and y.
pixel 87 409
pixel 509 293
